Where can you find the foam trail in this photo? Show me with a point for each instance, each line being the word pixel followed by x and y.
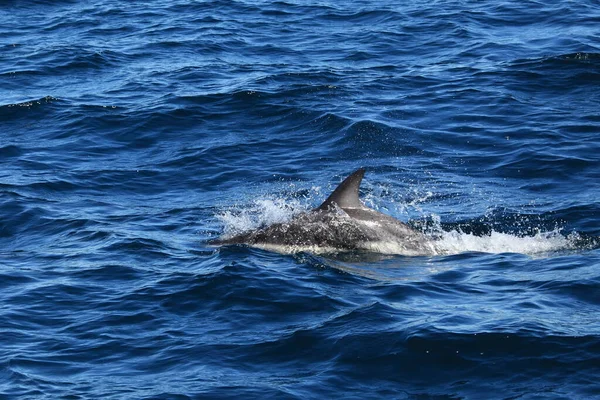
pixel 455 242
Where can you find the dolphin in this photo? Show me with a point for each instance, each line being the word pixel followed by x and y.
pixel 342 223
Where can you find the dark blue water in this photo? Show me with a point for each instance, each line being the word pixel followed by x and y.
pixel 132 133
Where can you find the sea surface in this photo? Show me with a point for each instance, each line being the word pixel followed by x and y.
pixel 132 133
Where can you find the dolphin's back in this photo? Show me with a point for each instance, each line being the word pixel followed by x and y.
pixel 341 223
pixel 388 231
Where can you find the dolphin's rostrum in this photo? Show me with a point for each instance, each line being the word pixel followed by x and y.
pixel 341 223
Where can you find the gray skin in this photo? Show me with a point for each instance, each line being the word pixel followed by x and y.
pixel 341 223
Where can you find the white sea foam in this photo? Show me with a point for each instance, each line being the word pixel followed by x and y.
pixel 259 213
pixel 454 242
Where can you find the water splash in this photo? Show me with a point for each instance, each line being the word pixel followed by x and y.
pixel 454 242
pixel 259 213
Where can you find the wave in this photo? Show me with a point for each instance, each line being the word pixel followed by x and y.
pixel 28 104
pixel 564 72
pixel 580 58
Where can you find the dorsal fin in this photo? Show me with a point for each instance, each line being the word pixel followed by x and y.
pixel 346 194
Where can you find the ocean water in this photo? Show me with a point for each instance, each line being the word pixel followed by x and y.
pixel 132 133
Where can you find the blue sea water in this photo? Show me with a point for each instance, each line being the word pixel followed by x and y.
pixel 131 133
